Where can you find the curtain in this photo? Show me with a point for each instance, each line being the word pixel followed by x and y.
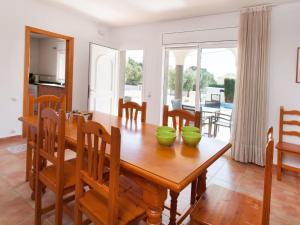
pixel 250 113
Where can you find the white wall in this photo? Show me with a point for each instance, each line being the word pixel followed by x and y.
pixel 285 39
pixel 149 38
pixel 14 15
pixel 48 55
pixel 34 55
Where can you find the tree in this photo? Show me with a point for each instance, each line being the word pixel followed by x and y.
pixel 133 72
pixel 206 79
pixel 229 89
pixel 189 80
pixel 172 79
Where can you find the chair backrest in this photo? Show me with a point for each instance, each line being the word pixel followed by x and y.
pixel 283 122
pixel 47 101
pixel 92 138
pixel 132 109
pixel 51 139
pixel 224 118
pixel 268 178
pixel 184 117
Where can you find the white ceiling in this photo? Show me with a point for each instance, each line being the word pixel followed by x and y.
pixel 131 12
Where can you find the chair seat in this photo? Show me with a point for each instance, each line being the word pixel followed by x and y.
pixel 219 205
pixel 49 174
pixel 131 207
pixel 288 147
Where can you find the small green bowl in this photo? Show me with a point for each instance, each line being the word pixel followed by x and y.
pixel 190 129
pixel 166 139
pixel 165 129
pixel 191 138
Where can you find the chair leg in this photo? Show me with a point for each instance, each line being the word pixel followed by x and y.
pixel 38 203
pixel 28 162
pixel 279 165
pixel 78 215
pixel 173 210
pixel 59 208
pixel 215 130
pixel 33 174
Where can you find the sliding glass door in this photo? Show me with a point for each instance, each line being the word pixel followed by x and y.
pixel 203 78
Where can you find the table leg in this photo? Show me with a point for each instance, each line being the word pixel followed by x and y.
pixel 173 209
pixel 154 197
pixel 201 184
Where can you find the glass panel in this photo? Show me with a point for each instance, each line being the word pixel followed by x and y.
pixel 134 76
pixel 218 74
pixel 181 78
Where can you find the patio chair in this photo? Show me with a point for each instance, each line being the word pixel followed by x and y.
pixel 214 102
pixel 221 120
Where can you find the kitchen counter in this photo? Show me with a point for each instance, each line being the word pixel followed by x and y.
pixel 50 84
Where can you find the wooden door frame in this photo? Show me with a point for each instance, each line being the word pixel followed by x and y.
pixel 69 65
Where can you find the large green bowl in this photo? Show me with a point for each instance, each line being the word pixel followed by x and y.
pixel 191 138
pixel 165 129
pixel 166 139
pixel 190 129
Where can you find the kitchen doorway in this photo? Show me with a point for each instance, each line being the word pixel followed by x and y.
pixel 63 63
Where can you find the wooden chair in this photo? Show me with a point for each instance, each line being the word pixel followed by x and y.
pixel 132 109
pixel 51 101
pixel 286 147
pixel 219 205
pixel 184 117
pixel 102 203
pixel 59 176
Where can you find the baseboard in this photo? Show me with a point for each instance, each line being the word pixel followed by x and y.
pixel 11 138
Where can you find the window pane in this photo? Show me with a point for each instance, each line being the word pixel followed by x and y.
pixel 217 81
pixel 134 76
pixel 61 65
pixel 182 78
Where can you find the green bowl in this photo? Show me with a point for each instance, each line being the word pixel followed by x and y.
pixel 191 138
pixel 190 129
pixel 166 139
pixel 165 129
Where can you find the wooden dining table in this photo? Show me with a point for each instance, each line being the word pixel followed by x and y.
pixel 155 168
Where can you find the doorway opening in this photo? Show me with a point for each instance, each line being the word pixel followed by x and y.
pixel 61 48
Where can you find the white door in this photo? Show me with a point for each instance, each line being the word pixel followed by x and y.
pixel 103 88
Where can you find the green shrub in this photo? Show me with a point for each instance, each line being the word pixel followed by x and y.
pixel 216 85
pixel 229 89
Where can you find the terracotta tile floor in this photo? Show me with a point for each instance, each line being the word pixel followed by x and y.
pixel 16 207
